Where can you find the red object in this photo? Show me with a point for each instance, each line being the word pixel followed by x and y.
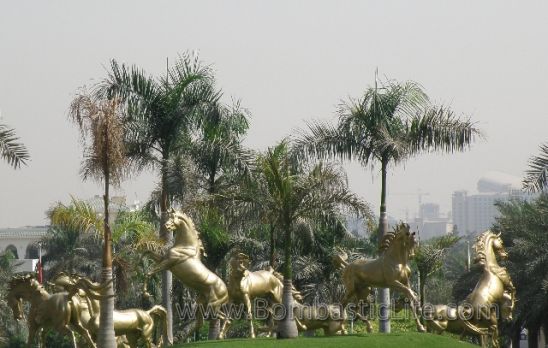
pixel 39 271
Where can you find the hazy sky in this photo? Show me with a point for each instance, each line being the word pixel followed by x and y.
pixel 288 62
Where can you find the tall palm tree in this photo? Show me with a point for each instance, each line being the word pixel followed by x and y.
pixel 389 124
pixel 101 129
pixel 523 226
pixel 297 198
pixel 536 178
pixel 161 114
pixel 218 149
pixel 11 150
pixel 219 156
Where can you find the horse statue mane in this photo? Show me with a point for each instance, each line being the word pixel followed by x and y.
pixel 20 279
pixel 387 239
pixel 481 245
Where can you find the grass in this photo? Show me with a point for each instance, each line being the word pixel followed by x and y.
pixel 395 340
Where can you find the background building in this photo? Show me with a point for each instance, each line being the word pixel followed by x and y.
pixel 475 213
pixel 430 223
pixel 22 242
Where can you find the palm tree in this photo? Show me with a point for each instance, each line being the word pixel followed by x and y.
pixel 429 257
pixel 101 129
pixel 536 178
pixel 296 198
pixel 523 226
pixel 75 230
pixel 218 149
pixel 11 150
pixel 161 114
pixel 389 124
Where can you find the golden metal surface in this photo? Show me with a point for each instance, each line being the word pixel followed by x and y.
pixel 59 311
pixel 330 318
pixel 133 323
pixel 477 314
pixel 244 286
pixel 389 270
pixel 183 259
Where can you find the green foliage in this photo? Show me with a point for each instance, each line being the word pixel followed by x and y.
pixel 429 259
pixel 536 178
pixel 391 122
pixel 11 150
pixel 9 329
pixel 295 198
pixel 524 228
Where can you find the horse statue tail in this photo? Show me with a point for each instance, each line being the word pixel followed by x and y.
pixel 340 260
pixel 92 290
pixel 158 312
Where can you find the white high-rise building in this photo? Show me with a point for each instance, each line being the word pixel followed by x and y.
pixel 475 213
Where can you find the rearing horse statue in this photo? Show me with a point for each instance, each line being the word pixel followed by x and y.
pixel 183 260
pixel 477 314
pixel 389 270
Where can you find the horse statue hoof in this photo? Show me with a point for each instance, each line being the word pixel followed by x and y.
pixel 421 328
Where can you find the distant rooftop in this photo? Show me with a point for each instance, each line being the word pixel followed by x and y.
pixel 23 232
pixel 498 182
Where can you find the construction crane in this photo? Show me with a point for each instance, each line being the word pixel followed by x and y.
pixel 420 193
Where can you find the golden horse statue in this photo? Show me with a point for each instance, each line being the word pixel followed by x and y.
pixel 183 259
pixel 389 270
pixel 132 323
pixel 243 286
pixel 60 311
pixel 493 295
pixel 330 318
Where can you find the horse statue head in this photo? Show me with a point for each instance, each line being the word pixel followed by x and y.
pixel 178 220
pixel 185 231
pixel 21 287
pixel 239 263
pixel 489 247
pixel 399 242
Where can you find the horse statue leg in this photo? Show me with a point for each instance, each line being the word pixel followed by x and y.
pixel 33 329
pixel 410 294
pixel 226 325
pixel 360 295
pixel 247 301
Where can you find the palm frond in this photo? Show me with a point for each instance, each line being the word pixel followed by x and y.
pixel 325 141
pixel 438 129
pixel 11 150
pixel 536 177
pixel 131 224
pixel 79 215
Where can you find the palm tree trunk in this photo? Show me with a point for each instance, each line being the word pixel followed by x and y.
pixel 532 336
pixel 516 338
pixel 167 279
pixel 106 337
pixel 272 247
pixel 214 329
pixel 214 324
pixel 384 314
pixel 287 327
pixel 422 286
